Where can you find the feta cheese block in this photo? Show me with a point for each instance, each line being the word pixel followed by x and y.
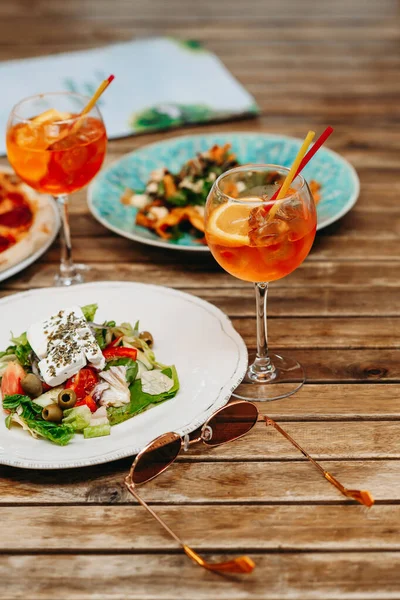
pixel 39 334
pixel 64 343
pixel 54 373
pixel 38 339
pixel 90 347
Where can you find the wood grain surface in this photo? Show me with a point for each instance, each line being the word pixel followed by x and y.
pixel 78 534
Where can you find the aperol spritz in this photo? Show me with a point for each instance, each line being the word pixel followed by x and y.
pixel 57 151
pixel 261 240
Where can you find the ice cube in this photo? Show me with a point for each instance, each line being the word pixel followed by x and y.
pixel 289 210
pixel 27 136
pixel 271 232
pixel 72 159
pixel 258 217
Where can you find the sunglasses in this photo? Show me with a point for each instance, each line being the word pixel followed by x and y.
pixel 227 424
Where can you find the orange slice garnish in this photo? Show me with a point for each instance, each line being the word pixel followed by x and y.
pixel 228 225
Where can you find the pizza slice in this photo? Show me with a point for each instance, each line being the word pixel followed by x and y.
pixel 27 220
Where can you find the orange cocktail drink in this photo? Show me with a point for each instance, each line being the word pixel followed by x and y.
pixel 251 246
pixel 56 143
pixel 55 156
pixel 258 239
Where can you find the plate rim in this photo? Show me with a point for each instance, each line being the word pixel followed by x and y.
pixel 56 222
pixel 161 244
pixel 221 399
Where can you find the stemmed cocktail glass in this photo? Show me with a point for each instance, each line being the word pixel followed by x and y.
pixel 56 150
pixel 261 240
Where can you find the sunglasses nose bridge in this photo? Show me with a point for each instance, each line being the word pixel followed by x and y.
pixel 206 433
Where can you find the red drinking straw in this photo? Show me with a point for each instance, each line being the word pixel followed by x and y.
pixel 317 145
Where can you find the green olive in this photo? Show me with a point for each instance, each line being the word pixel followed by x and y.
pixel 146 337
pixel 32 385
pixel 53 413
pixel 66 398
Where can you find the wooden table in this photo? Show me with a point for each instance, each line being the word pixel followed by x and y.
pixel 77 534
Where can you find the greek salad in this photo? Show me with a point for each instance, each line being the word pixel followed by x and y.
pixel 69 375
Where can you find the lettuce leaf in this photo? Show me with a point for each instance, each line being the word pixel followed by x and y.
pixel 30 414
pixel 58 434
pixel 22 349
pixel 102 335
pixel 29 409
pixel 131 367
pixel 89 311
pixel 140 401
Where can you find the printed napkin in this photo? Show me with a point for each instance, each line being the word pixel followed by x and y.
pixel 159 83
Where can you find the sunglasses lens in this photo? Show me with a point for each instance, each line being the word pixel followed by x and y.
pixel 156 458
pixel 231 422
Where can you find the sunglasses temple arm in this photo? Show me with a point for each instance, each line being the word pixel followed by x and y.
pixel 361 496
pixel 242 564
pixel 154 515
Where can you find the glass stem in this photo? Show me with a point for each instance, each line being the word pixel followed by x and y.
pixel 262 367
pixel 68 270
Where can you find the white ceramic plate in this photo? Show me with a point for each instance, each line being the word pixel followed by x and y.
pixel 210 356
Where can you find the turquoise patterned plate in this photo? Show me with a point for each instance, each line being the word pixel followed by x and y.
pixel 340 183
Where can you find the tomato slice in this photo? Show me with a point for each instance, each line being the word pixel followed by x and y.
pixel 110 353
pixel 83 382
pixel 88 400
pixel 11 380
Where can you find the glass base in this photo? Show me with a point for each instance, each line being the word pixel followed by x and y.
pixel 68 277
pixel 280 377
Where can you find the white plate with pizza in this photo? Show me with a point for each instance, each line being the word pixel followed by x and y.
pixel 29 223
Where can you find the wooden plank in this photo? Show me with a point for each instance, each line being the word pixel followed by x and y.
pixel 323 440
pixel 358 11
pixel 112 248
pixel 309 302
pixel 252 528
pixel 255 30
pixel 337 402
pixel 238 302
pixel 347 365
pixel 284 302
pixel 341 277
pixel 199 482
pixel 326 248
pixel 335 332
pixel 309 576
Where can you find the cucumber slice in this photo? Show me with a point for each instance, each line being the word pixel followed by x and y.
pixel 49 397
pixel 96 431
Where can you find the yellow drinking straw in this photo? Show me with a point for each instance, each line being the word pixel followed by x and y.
pixel 102 87
pixel 290 176
pixel 76 125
